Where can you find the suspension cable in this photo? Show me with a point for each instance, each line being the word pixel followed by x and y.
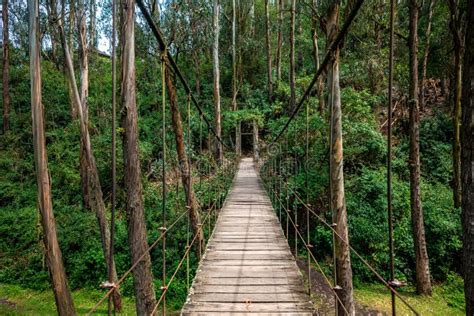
pixel 389 153
pixel 163 175
pixel 327 59
pixel 333 287
pixel 161 42
pixel 188 207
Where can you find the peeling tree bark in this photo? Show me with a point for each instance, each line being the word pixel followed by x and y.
pixel 142 274
pixel 186 178
pixel 62 294
pixel 423 282
pixel 338 202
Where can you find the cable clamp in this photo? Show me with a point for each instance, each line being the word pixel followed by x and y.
pixel 309 246
pixel 337 288
pixel 397 283
pixel 164 54
pixel 163 288
pixel 333 225
pixel 163 228
pixel 107 285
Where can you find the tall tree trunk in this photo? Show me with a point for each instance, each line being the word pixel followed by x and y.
pixel 338 203
pixel 234 57
pixel 269 52
pixel 62 33
pixel 279 39
pixel 423 282
pixel 92 24
pixel 62 294
pixel 50 8
pixel 6 68
pixel 142 274
pixel 457 129
pixel 89 174
pixel 455 25
pixel 292 57
pixel 238 146
pixel 215 67
pixel 319 83
pixel 84 92
pixel 186 178
pixel 467 162
pixel 425 54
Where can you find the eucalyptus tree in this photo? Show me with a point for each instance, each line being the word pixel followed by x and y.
pixel 216 72
pixel 90 181
pixel 62 294
pixel 343 277
pixel 137 233
pixel 457 32
pixel 423 280
pixel 269 52
pixel 467 162
pixel 292 56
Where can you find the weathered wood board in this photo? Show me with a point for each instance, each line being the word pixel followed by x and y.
pixel 248 267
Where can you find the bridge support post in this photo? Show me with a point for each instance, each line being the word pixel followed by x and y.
pixel 255 142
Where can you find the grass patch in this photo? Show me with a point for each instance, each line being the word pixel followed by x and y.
pixel 15 300
pixel 447 299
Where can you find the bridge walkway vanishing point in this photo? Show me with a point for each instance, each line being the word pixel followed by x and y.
pixel 248 266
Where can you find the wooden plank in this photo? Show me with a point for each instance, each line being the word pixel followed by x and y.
pixel 248 307
pixel 294 297
pixel 249 289
pixel 248 267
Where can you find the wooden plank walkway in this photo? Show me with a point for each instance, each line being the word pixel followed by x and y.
pixel 248 266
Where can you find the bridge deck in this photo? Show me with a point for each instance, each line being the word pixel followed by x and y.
pixel 248 266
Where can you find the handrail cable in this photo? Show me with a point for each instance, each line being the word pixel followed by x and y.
pixel 355 252
pixel 327 59
pixel 308 246
pixel 117 285
pixel 163 47
pixel 314 259
pixel 166 287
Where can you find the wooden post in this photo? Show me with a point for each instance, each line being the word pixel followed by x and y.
pixel 255 141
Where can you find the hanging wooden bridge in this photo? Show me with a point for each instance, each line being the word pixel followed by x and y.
pixel 247 266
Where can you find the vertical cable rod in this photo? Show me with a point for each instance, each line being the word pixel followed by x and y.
pixel 308 240
pixel 188 207
pixel 163 165
pixel 389 152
